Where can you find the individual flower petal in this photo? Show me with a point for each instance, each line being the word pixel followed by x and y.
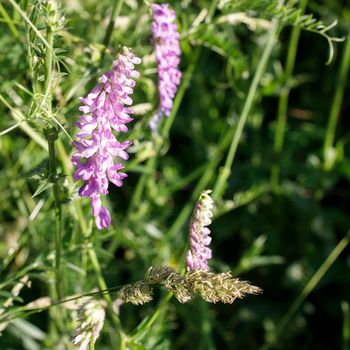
pixel 96 205
pixel 103 219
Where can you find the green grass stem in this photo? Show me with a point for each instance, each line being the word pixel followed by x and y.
pixel 225 172
pixel 328 153
pixel 51 135
pixel 117 6
pixel 309 287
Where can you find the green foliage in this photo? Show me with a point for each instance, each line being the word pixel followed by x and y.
pixel 280 215
pixel 287 14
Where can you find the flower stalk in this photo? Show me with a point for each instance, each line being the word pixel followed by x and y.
pixel 52 135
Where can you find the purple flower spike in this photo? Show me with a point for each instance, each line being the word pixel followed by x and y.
pixel 104 109
pixel 167 50
pixel 199 253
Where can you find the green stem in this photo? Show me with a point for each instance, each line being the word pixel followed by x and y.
pixel 117 6
pixel 328 156
pixel 283 101
pixel 48 67
pixel 141 330
pixel 309 287
pixel 225 172
pixel 56 291
pixel 30 23
pixel 24 311
pixel 51 135
pixel 92 344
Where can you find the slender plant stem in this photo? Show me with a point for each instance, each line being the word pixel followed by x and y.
pixel 92 344
pixel 48 64
pixel 24 311
pixel 56 291
pixel 51 134
pixel 117 6
pixel 328 156
pixel 138 333
pixel 225 172
pixel 283 101
pixel 30 23
pixel 309 287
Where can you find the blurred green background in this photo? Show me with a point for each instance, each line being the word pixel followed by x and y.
pixel 284 209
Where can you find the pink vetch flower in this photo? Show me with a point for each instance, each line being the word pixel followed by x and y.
pixel 199 253
pixel 104 109
pixel 167 51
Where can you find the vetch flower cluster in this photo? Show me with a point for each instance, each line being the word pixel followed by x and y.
pixel 104 109
pixel 199 253
pixel 167 51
